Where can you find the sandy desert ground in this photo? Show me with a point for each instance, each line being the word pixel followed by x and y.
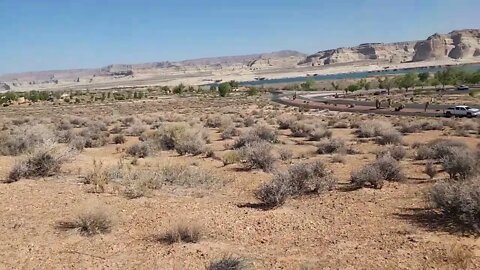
pixel 212 191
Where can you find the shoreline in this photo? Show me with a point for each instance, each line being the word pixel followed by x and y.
pixel 205 77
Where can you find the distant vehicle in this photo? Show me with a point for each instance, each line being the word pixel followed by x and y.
pixel 462 111
pixel 463 87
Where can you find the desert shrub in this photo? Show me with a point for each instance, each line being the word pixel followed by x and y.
pixel 190 142
pixel 274 193
pixel 230 158
pixel 341 124
pixel 229 132
pixel 438 148
pixel 285 153
pixel 369 175
pixel 227 263
pixel 431 125
pixel 309 177
pixel 299 179
pixel 319 133
pixel 64 125
pixel 258 155
pixel 256 134
pixel 410 127
pixel 430 169
pixel 77 143
pixel 339 158
pixel 459 202
pixel 22 139
pixel 372 128
pixel 185 176
pixel 116 129
pixel 460 164
pixel 94 136
pixel 395 151
pixel 64 136
pixel 128 121
pixel 118 139
pixel 469 125
pixel 98 177
pixel 181 137
pixel 389 136
pixel 90 221
pixel 373 174
pixel 301 129
pixel 249 121
pixel 218 121
pixel 42 162
pixel 136 129
pixel 329 146
pixel 21 121
pixel 183 232
pixel 135 186
pixel 78 122
pixel 286 121
pixel 139 150
pixel 389 168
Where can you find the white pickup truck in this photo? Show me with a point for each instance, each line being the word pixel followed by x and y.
pixel 462 111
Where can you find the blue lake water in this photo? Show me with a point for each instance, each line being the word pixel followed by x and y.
pixel 357 75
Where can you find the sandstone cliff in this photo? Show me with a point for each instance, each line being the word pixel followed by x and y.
pixel 392 52
pixel 460 44
pixel 463 44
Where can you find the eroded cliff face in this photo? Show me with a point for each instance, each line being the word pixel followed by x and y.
pixel 461 44
pixel 391 52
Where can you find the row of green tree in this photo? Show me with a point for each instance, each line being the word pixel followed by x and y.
pixel 448 76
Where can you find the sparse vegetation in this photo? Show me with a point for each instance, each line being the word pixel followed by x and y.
pixel 258 155
pixel 299 179
pixel 227 263
pixel 182 232
pixel 43 162
pixel 91 220
pixel 459 202
pixel 373 174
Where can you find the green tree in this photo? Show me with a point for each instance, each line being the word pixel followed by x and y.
pixel 308 85
pixel 234 84
pixel 33 96
pixel 473 77
pixel 386 83
pixel 224 89
pixel 213 87
pixel 434 82
pixel 423 77
pixel 445 77
pixel 353 87
pixel 406 81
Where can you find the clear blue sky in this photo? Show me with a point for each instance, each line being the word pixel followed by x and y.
pixel 59 34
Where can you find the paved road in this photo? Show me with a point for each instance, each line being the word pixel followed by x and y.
pixel 327 100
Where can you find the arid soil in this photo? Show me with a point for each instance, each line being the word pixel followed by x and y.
pixel 344 228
